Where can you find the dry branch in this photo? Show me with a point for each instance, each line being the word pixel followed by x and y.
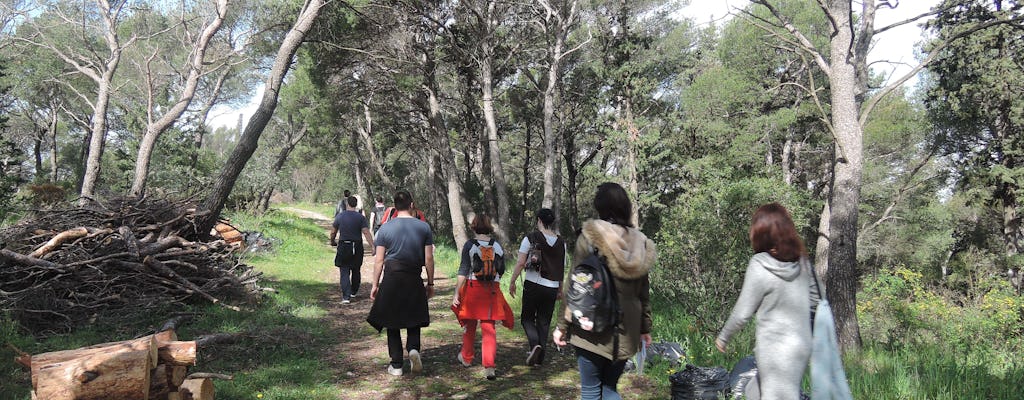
pixel 113 259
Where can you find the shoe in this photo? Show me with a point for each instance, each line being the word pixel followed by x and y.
pixel 346 301
pixel 489 373
pixel 463 360
pixel 394 371
pixel 534 357
pixel 416 364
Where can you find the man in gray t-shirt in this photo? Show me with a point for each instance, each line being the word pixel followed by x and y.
pixel 405 246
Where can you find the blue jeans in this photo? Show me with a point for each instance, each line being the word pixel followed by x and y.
pixel 350 280
pixel 599 376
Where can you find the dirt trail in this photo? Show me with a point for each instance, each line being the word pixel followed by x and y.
pixel 360 356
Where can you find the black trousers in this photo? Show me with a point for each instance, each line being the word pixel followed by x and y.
pixel 412 342
pixel 538 305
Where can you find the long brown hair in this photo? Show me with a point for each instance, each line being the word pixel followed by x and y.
pixel 772 230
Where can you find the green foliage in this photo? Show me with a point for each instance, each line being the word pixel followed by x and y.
pixel 702 257
pixel 897 307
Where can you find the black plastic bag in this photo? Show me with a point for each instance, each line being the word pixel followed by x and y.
pixel 699 383
pixel 743 373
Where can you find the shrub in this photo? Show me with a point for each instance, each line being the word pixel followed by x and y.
pixel 703 256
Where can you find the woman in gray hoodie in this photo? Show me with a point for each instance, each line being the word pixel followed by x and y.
pixel 776 289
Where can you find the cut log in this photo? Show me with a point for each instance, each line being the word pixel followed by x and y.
pixel 159 384
pixel 197 389
pixel 167 335
pixel 145 343
pixel 122 375
pixel 177 353
pixel 176 375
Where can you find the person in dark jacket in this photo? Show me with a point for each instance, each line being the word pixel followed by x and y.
pixel 405 245
pixel 630 255
pixel 542 285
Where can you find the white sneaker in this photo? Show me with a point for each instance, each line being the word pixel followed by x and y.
pixel 394 371
pixel 489 373
pixel 462 360
pixel 415 363
pixel 534 356
pixel 345 301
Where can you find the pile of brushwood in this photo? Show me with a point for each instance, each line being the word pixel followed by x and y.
pixel 63 268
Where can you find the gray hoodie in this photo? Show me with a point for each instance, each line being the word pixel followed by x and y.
pixel 777 291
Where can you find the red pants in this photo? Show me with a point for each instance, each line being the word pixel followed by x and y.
pixel 489 343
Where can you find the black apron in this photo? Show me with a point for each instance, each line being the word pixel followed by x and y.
pixel 401 298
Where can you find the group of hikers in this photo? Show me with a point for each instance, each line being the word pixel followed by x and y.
pixel 775 289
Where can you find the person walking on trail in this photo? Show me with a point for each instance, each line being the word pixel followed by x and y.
pixel 404 246
pixel 629 255
pixel 775 288
pixel 478 295
pixel 542 256
pixel 343 203
pixel 377 213
pixel 345 234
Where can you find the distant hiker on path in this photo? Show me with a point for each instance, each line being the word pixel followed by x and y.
pixel 350 224
pixel 478 295
pixel 629 256
pixel 542 255
pixel 377 213
pixel 775 288
pixel 405 246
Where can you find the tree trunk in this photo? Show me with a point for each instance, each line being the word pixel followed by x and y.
pixel 366 134
pixel 842 274
pixel 103 79
pixel 98 131
pixel 53 144
pixel 155 128
pixel 360 166
pixel 497 168
pixel 214 201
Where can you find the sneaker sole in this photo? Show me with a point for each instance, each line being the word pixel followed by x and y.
pixel 534 356
pixel 416 364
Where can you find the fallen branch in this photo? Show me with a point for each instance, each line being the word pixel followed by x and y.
pixel 59 239
pixel 209 375
pixel 162 269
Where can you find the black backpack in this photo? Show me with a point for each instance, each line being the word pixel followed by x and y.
pixel 535 257
pixel 592 304
pixel 378 215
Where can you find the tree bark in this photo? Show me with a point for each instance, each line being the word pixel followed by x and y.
pixel 214 201
pixel 366 134
pixel 104 80
pixel 497 167
pixel 558 23
pixel 104 375
pixel 157 127
pixel 843 276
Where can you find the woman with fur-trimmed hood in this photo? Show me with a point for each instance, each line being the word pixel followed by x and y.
pixel 630 256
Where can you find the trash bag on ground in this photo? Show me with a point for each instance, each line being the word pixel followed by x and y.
pixel 669 351
pixel 700 383
pixel 743 374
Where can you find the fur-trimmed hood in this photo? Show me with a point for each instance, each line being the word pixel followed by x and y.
pixel 629 252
